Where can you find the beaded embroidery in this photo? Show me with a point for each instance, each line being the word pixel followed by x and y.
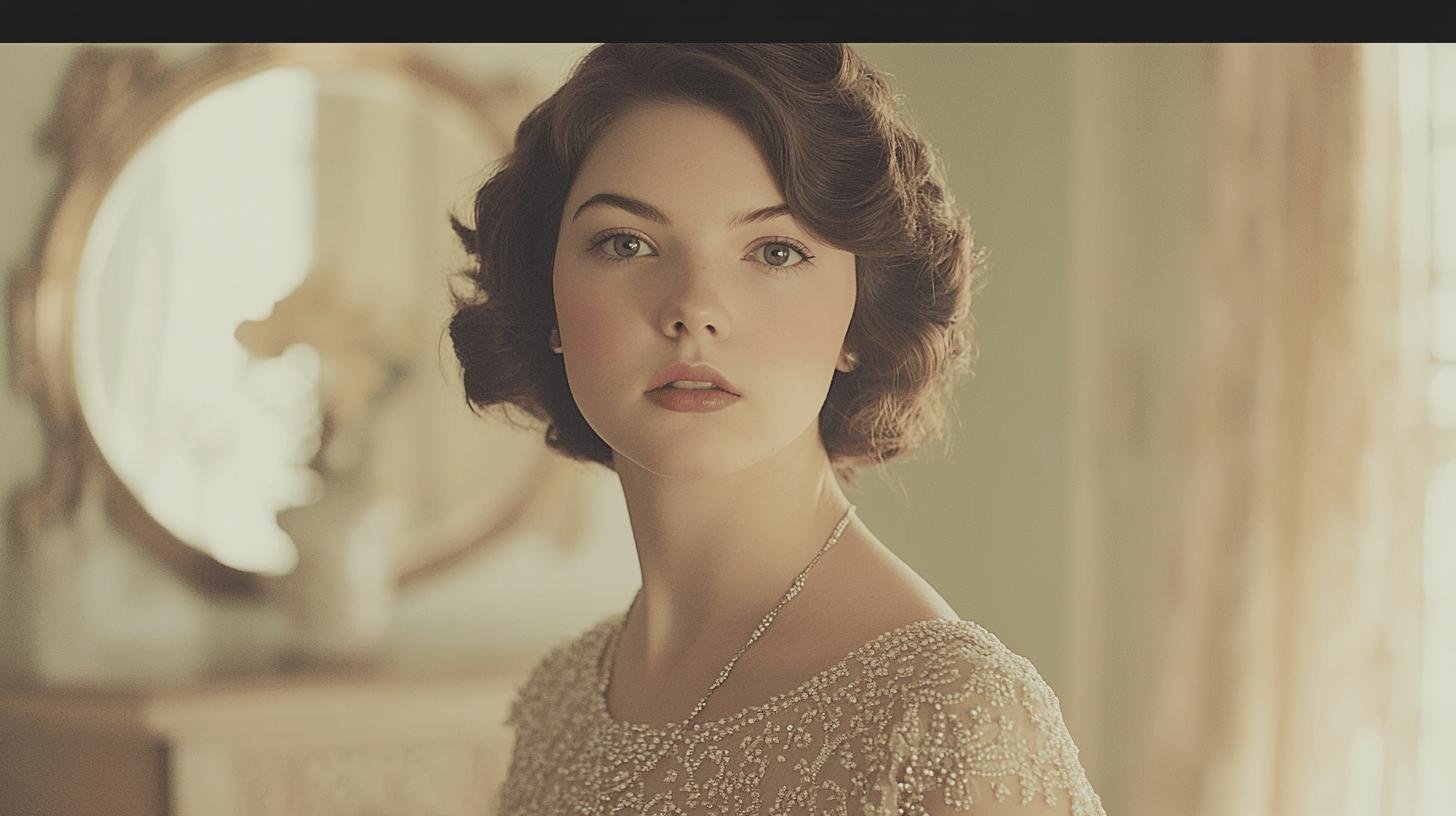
pixel 937 711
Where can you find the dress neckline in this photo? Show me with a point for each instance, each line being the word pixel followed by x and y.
pixel 607 653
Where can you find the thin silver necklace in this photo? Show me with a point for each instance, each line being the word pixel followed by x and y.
pixel 681 728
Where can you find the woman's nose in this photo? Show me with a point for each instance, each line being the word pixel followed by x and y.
pixel 694 305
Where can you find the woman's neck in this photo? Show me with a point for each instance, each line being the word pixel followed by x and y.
pixel 717 556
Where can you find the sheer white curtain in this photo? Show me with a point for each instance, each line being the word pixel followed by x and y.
pixel 1288 681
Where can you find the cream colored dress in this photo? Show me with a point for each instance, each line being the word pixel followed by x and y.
pixel 937 711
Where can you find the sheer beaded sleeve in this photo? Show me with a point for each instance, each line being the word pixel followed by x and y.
pixel 527 695
pixel 984 735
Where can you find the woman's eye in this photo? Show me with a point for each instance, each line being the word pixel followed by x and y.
pixel 623 245
pixel 779 254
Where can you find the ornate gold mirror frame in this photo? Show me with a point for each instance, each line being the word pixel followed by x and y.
pixel 112 101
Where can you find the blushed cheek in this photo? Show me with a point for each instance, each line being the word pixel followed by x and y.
pixel 590 327
pixel 814 331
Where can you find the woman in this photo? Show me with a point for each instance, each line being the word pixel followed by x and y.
pixel 732 274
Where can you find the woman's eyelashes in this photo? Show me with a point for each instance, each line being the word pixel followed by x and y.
pixel 623 245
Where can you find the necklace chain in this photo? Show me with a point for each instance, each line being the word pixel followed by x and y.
pixel 768 619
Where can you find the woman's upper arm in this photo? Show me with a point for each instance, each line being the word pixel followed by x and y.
pixel 987 739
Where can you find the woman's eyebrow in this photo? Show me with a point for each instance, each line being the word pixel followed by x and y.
pixel 645 210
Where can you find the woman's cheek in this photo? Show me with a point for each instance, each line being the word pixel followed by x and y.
pixel 814 333
pixel 591 327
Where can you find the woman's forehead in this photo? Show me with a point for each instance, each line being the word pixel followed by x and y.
pixel 668 169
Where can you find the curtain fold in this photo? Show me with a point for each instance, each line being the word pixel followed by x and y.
pixel 1288 680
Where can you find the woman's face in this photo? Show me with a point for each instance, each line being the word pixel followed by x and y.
pixel 764 302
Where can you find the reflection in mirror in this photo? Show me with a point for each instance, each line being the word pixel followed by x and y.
pixel 258 314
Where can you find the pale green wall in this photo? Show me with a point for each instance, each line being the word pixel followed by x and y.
pixel 987 524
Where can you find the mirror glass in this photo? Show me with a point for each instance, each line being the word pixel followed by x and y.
pixel 260 313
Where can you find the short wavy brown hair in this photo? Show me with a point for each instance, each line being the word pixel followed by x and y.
pixel 850 168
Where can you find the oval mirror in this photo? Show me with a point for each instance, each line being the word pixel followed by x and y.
pixel 256 307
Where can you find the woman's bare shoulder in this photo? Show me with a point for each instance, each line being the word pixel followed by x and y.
pixel 863 596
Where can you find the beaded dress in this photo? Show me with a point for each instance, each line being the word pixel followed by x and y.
pixel 937 712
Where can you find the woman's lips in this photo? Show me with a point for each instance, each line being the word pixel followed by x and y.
pixel 692 400
pixel 699 372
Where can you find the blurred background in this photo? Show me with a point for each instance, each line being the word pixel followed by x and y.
pixel 260 558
